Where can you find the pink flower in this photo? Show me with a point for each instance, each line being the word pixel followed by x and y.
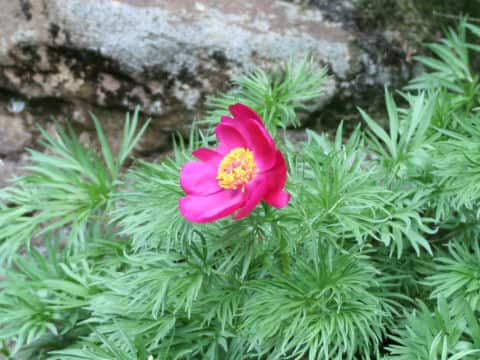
pixel 243 170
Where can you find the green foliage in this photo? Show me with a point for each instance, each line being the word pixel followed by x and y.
pixel 451 65
pixel 153 186
pixel 438 334
pixel 332 309
pixel 276 96
pixel 66 188
pixel 458 172
pixel 43 296
pixel 350 202
pixel 403 151
pixel 456 275
pixel 104 349
pixel 376 256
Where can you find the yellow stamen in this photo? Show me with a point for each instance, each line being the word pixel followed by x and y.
pixel 237 169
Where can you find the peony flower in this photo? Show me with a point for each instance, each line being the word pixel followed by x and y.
pixel 243 170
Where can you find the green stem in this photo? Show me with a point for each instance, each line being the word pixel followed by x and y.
pixel 277 234
pixel 284 255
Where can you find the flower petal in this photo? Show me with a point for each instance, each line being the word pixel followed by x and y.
pixel 254 193
pixel 257 138
pixel 277 199
pixel 260 142
pixel 278 173
pixel 208 155
pixel 199 178
pixel 202 209
pixel 229 137
pixel 206 201
pixel 243 111
pixel 276 178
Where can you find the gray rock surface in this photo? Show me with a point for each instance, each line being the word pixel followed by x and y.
pixel 160 54
pixel 63 58
pixel 14 136
pixel 10 168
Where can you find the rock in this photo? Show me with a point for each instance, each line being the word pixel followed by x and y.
pixel 11 168
pixel 63 58
pixel 14 136
pixel 165 56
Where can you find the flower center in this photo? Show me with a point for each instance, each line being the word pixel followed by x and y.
pixel 237 169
